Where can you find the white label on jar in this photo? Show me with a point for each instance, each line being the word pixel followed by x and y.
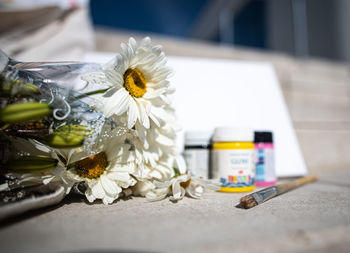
pixel 197 161
pixel 234 167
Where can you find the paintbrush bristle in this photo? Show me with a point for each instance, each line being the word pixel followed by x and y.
pixel 247 202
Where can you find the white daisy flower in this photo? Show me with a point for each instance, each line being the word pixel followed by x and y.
pixel 196 187
pixel 138 84
pixel 151 163
pixel 185 184
pixel 104 177
pixel 177 185
pixel 163 186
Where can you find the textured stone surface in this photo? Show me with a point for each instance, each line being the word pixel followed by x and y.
pixel 312 218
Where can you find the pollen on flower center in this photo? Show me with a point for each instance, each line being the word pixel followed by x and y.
pixel 135 82
pixel 186 184
pixel 92 166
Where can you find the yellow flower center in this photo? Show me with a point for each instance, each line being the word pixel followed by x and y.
pixel 185 184
pixel 92 166
pixel 135 82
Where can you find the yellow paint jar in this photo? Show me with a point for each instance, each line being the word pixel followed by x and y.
pixel 233 159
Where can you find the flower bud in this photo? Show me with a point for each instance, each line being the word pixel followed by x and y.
pixel 23 112
pixel 31 164
pixel 68 136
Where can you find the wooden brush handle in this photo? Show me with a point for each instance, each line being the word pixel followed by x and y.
pixel 282 188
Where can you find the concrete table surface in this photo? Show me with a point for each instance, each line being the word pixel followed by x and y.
pixel 313 218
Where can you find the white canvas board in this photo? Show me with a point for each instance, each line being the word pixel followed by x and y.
pixel 215 92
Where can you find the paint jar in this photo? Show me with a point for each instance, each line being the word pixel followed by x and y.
pixel 233 159
pixel 197 152
pixel 265 159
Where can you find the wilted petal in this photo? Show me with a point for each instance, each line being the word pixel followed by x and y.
pixel 110 187
pixel 98 191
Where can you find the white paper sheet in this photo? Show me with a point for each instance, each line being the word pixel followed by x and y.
pixel 215 92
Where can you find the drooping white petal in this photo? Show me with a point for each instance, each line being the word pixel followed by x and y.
pixel 157 194
pixel 109 186
pixel 195 190
pixel 152 93
pixel 154 119
pixel 181 164
pixel 90 197
pixel 108 199
pixel 178 191
pixel 142 187
pixel 156 174
pixel 133 113
pixel 115 78
pixel 119 176
pixel 159 113
pixel 129 168
pixel 143 115
pixel 117 104
pixel 97 190
pixel 164 140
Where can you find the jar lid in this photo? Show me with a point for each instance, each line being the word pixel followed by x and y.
pixel 197 137
pixel 233 134
pixel 263 137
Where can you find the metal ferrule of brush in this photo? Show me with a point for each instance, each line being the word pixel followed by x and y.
pixel 265 194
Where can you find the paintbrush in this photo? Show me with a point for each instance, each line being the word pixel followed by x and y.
pixel 259 197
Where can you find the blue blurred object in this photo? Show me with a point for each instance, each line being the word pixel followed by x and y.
pixel 165 17
pixel 250 25
pixel 177 18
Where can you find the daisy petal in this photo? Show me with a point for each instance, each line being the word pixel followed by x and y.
pixel 119 176
pixel 154 119
pixel 156 174
pixel 159 113
pixel 195 191
pixel 181 164
pixel 90 197
pixel 117 104
pixel 143 115
pixel 109 186
pixel 146 42
pixel 133 113
pixel 108 199
pixel 157 195
pixel 178 191
pixel 162 139
pixel 98 191
pixel 132 44
pixel 115 78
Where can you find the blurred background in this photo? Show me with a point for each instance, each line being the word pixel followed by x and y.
pixel 302 28
pixel 298 27
pixel 307 42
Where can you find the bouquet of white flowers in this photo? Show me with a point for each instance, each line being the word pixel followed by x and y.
pixel 104 131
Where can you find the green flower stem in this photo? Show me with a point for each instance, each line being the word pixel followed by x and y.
pixel 92 93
